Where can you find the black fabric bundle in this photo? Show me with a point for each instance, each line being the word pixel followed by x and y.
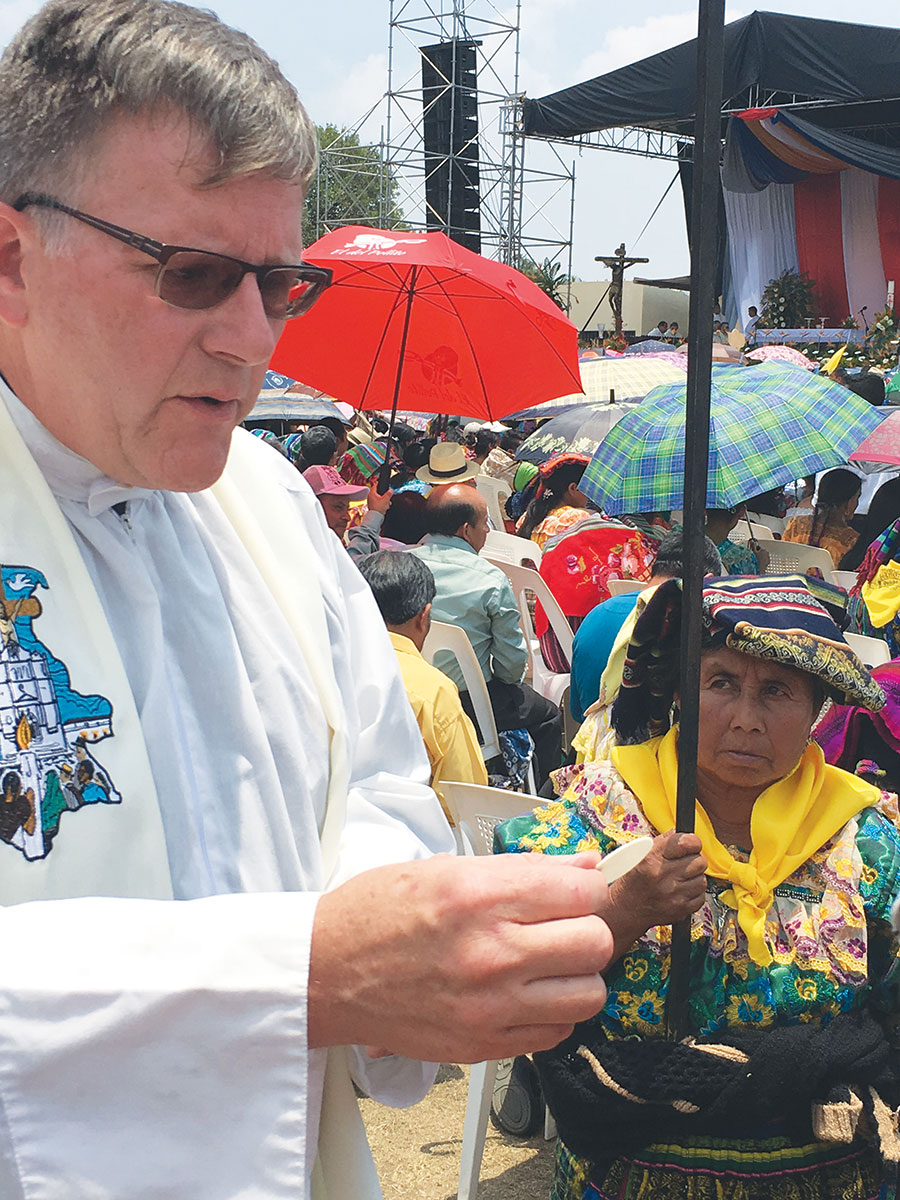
pixel 612 1097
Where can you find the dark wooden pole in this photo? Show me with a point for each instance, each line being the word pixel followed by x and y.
pixel 704 251
pixel 384 474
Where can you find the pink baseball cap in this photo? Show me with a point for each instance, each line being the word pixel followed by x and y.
pixel 325 481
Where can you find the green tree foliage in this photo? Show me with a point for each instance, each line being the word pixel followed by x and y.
pixel 353 186
pixel 549 276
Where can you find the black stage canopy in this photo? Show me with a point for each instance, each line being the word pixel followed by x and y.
pixel 839 75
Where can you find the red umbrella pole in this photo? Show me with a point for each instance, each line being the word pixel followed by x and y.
pixel 385 473
pixel 704 255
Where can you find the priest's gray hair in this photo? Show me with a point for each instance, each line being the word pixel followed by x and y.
pixel 77 64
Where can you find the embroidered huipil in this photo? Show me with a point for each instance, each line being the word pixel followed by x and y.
pixel 829 931
pixel 151 1047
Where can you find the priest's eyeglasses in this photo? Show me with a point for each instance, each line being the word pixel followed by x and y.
pixel 197 279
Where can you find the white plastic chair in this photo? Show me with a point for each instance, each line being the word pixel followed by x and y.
pixel 776 524
pixel 844 579
pixel 496 492
pixel 512 548
pixel 870 650
pixel 456 640
pixel 741 533
pixel 477 811
pixel 618 587
pixel 549 684
pixel 791 558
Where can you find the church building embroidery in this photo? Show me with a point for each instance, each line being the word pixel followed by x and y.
pixel 47 769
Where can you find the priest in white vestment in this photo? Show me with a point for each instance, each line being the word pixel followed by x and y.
pixel 204 740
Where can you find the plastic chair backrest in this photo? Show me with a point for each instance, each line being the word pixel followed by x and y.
pixel 496 492
pixel 511 548
pixel 871 651
pixel 844 579
pixel 789 558
pixel 776 524
pixel 618 587
pixel 523 581
pixel 741 533
pixel 456 641
pixel 478 810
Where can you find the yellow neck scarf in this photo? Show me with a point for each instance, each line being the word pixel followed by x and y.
pixel 791 819
pixel 882 594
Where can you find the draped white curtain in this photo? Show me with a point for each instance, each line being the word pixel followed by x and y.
pixel 762 241
pixel 863 265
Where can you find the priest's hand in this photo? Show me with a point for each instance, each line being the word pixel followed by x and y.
pixel 460 959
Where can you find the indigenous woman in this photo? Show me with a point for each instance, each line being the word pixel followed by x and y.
pixel 828 525
pixel 558 501
pixel 786 1087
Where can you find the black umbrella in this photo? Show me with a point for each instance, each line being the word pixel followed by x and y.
pixel 577 431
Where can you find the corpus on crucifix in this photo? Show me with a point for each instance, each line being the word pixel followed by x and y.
pixel 617 263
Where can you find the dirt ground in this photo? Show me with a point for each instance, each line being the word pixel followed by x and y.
pixel 417 1149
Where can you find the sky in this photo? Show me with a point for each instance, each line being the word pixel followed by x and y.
pixel 336 54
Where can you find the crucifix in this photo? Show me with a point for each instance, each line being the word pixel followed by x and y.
pixel 617 263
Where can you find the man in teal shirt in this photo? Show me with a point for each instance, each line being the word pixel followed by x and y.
pixel 477 597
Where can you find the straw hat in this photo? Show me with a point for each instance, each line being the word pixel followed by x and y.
pixel 447 464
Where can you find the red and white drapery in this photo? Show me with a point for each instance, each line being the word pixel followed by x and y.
pixel 838 223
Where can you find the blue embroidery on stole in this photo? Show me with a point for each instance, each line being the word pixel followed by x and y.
pixel 46 727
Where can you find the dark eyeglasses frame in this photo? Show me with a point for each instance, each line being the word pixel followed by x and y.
pixel 318 278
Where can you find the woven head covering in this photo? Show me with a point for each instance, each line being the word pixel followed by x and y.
pixel 547 470
pixel 785 619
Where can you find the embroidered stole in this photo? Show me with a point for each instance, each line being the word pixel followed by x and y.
pixel 71 741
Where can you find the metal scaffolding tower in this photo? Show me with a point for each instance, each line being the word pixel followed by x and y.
pixel 525 212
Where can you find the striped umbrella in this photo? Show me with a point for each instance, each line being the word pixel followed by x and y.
pixel 768 425
pixel 283 398
pixel 627 378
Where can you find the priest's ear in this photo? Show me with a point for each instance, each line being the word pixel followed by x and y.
pixel 17 235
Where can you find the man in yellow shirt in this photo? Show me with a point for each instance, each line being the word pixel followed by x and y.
pixel 404 588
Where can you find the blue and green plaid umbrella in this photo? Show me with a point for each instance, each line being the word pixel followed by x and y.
pixel 769 424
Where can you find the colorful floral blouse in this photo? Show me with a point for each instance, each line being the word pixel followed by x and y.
pixel 828 928
pixel 558 520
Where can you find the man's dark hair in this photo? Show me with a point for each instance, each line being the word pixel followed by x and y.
pixel 335 424
pixel 318 447
pixel 511 441
pixel 415 455
pixel 405 519
pixel 869 385
pixel 401 584
pixel 482 442
pixel 669 563
pixel 404 434
pixel 447 516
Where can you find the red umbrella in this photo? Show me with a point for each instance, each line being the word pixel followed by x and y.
pixel 416 322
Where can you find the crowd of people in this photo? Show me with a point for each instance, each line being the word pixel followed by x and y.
pixel 790 879
pixel 230 888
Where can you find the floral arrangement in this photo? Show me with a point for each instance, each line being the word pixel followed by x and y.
pixel 788 300
pixel 883 334
pixel 615 341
